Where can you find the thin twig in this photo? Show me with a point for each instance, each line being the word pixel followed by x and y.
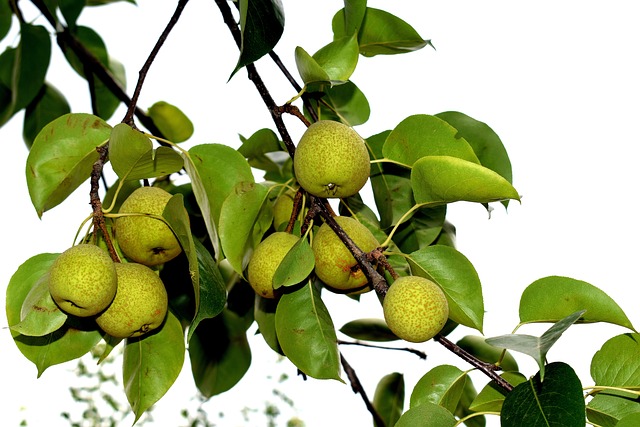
pixel 357 388
pixel 98 217
pixel 420 354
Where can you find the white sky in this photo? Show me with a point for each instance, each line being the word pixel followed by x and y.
pixel 558 81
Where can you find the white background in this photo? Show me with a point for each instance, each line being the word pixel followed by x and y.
pixel 558 81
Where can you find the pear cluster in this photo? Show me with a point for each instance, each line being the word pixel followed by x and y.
pixel 331 160
pixel 126 299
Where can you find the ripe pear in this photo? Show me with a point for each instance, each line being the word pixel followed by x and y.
pixel 265 261
pixel 140 305
pixel 143 239
pixel 82 280
pixel 282 209
pixel 415 308
pixel 331 160
pixel 335 265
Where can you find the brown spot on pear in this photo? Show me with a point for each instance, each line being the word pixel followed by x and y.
pixel 82 280
pixel 140 305
pixel 331 160
pixel 415 308
pixel 335 265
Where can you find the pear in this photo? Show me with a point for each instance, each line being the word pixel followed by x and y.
pixel 282 210
pixel 265 261
pixel 415 308
pixel 140 305
pixel 82 280
pixel 143 239
pixel 331 160
pixel 335 265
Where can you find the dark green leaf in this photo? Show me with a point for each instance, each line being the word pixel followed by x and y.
pixel 219 353
pixel 442 385
pixel 555 402
pixel 306 333
pixel 552 298
pixel 469 394
pixel 71 10
pixel 458 278
pixel 47 106
pixel 423 135
pixel 368 330
pixel 261 25
pixel 5 19
pixel 62 156
pixel 32 61
pixel 421 230
pixel 265 315
pixel 536 347
pixel 151 364
pixel 67 343
pixel 444 179
pixel 388 399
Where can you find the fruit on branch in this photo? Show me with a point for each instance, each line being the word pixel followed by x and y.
pixel 145 239
pixel 82 280
pixel 265 261
pixel 331 160
pixel 282 209
pixel 415 308
pixel 140 305
pixel 335 265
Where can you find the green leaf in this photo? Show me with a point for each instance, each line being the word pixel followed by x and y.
pixel 261 26
pixel 39 315
pixel 368 330
pixel 552 298
pixel 607 409
pixel 427 415
pixel 219 353
pixel 62 157
pixel 442 385
pixel 265 316
pixel 47 106
pixel 339 58
pixel 631 420
pixel 214 170
pixel 240 225
pixel 71 10
pixel 423 135
pixel 349 19
pixel 536 347
pixel 66 343
pixel 479 347
pixel 5 19
pixel 31 64
pixel 380 33
pixel 296 265
pixel 132 155
pixel 445 179
pixel 491 397
pixel 308 67
pixel 617 363
pixel 345 103
pixel 171 121
pixel 458 278
pixel 421 230
pixel 256 149
pixel 388 399
pixel 306 333
pixel 556 401
pixel 469 393
pixel 212 290
pixel 151 364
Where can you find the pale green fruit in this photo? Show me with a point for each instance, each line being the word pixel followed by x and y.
pixel 82 280
pixel 331 160
pixel 415 308
pixel 146 240
pixel 265 261
pixel 140 305
pixel 282 209
pixel 335 265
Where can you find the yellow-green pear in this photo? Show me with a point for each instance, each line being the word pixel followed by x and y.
pixel 335 265
pixel 144 239
pixel 331 160
pixel 415 308
pixel 282 209
pixel 140 305
pixel 265 261
pixel 82 280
